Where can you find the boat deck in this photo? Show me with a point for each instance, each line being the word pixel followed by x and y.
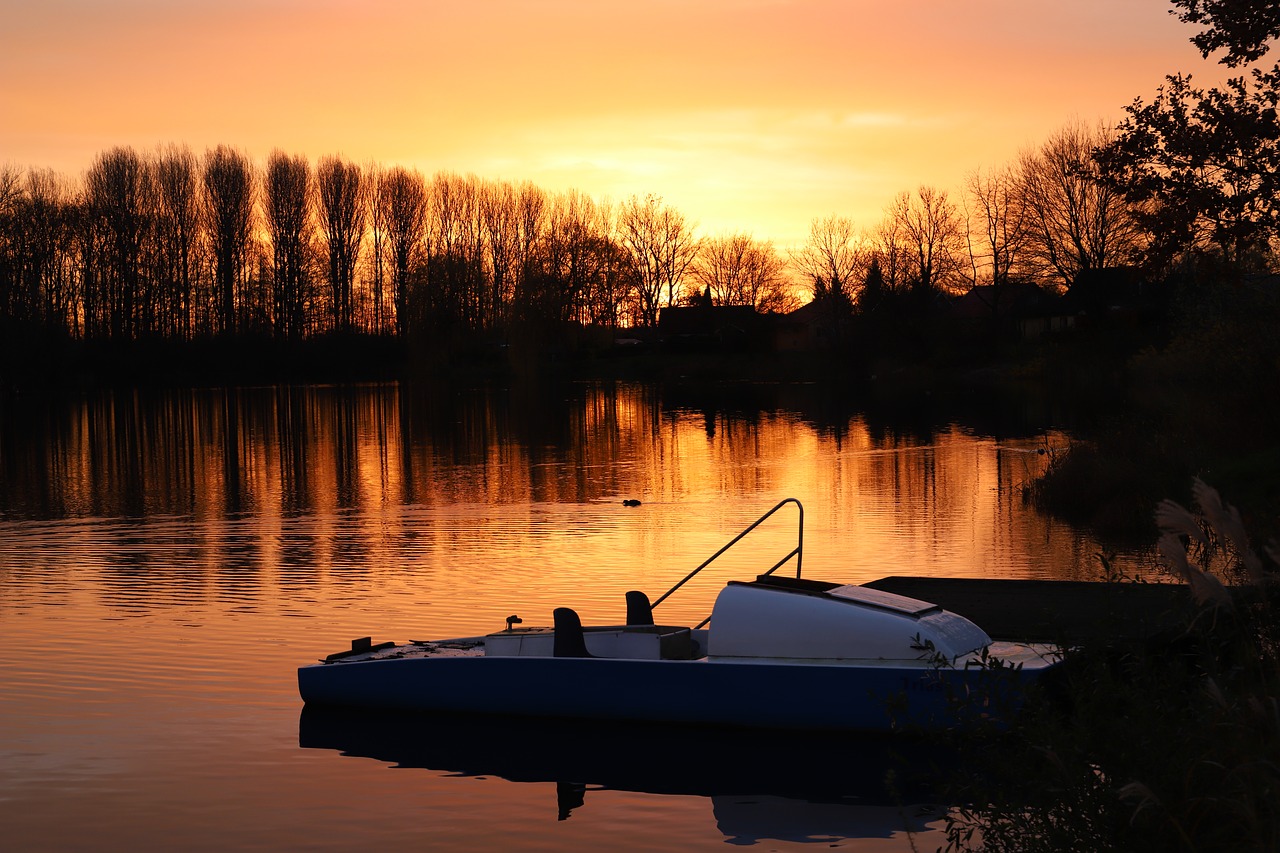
pixel 1027 611
pixel 462 647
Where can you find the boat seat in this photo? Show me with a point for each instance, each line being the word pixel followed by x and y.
pixel 569 641
pixel 639 611
pixel 638 641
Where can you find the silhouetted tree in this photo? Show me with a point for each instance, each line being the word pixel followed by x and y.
pixel 455 270
pixel 737 269
pixel 930 226
pixel 119 206
pixel 873 287
pixel 1242 27
pixel 832 261
pixel 547 287
pixel 1076 221
pixel 661 246
pixel 888 247
pixel 177 233
pixel 613 291
pixel 381 320
pixel 228 187
pixel 402 199
pixel 10 188
pixel 1203 166
pixel 499 209
pixel 10 193
pixel 287 204
pixel 531 220
pixel 343 208
pixel 996 229
pixel 46 272
pixel 30 245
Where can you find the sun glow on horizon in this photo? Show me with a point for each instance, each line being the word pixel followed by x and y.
pixel 752 118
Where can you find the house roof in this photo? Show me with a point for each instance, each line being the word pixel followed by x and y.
pixel 1014 299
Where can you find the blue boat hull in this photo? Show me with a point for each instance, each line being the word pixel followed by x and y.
pixel 785 695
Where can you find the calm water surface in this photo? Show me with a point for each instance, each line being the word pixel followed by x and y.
pixel 168 559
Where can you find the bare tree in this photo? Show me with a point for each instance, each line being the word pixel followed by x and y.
pixel 119 202
pixel 49 269
pixel 177 233
pixel 10 188
pixel 996 229
pixel 402 202
pixel 831 261
pixel 720 266
pixel 499 209
pixel 34 283
pixel 228 187
pixel 889 253
pixel 769 286
pixel 531 220
pixel 611 291
pixel 343 210
pixel 614 290
pixel 574 265
pixel 287 202
pixel 930 226
pixel 455 262
pixel 1076 221
pixel 661 246
pixel 374 176
pixel 739 270
pixel 10 196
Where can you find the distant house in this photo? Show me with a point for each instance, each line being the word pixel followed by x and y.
pixel 711 327
pixel 1027 308
pixel 812 326
pixel 798 330
pixel 1112 295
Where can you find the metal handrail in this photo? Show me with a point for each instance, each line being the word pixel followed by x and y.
pixel 797 552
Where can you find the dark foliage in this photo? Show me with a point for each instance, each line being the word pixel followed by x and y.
pixel 1241 27
pixel 1202 168
pixel 1162 744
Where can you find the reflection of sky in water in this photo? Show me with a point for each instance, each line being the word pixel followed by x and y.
pixel 167 560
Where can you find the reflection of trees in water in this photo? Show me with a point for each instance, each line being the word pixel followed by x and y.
pixel 350 481
pixel 291 450
pixel 894 411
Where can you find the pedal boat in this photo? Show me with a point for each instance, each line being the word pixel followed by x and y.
pixel 779 653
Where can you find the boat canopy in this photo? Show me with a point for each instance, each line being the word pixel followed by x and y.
pixel 800 619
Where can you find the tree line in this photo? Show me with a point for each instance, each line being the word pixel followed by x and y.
pixel 1043 220
pixel 176 246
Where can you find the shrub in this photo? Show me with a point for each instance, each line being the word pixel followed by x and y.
pixel 1168 744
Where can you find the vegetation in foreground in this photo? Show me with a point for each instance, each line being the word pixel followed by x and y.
pixel 1169 744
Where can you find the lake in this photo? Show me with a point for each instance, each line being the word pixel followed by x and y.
pixel 169 558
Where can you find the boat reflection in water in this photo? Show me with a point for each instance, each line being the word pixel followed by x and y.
pixel 798 786
pixel 745 819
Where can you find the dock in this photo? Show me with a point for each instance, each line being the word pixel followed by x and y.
pixel 1064 612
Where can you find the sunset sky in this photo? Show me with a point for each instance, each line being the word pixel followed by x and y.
pixel 747 115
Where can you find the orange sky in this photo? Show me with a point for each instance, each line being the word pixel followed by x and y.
pixel 752 115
